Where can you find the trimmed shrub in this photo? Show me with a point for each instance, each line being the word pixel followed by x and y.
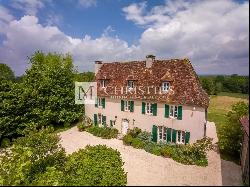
pixel 138 143
pixel 167 151
pixel 104 132
pixel 5 143
pixel 153 148
pixel 96 166
pixel 127 139
pixel 145 136
pixel 81 127
pixel 134 132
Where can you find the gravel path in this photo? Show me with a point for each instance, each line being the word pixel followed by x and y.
pixel 146 169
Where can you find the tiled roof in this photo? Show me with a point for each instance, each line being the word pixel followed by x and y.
pixel 185 86
pixel 245 124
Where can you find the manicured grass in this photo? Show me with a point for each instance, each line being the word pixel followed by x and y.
pixel 218 108
pixel 237 95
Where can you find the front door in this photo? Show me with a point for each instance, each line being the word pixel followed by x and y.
pixel 124 127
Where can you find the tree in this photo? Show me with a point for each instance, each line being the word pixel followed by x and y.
pixel 6 72
pixel 208 85
pixel 231 132
pixel 31 156
pixel 45 96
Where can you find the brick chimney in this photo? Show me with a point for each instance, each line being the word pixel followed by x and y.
pixel 98 65
pixel 149 60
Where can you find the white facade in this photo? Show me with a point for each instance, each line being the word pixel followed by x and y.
pixel 193 118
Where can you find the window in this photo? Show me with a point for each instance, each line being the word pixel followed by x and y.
pixel 162 133
pixel 99 119
pixel 103 83
pixel 165 86
pixel 99 102
pixel 173 111
pixel 180 137
pixel 126 106
pixel 131 84
pixel 149 108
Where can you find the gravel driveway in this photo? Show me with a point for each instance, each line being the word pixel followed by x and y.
pixel 146 169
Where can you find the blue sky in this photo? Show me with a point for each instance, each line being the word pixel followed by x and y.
pixel 214 35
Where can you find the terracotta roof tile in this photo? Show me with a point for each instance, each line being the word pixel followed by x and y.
pixel 185 86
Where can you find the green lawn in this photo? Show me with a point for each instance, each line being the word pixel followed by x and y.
pixel 219 106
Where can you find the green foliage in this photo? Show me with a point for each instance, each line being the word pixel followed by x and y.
pixel 230 133
pixel 104 132
pixel 85 76
pixel 138 143
pixel 39 159
pixel 144 135
pixel 167 151
pixel 81 127
pixel 134 132
pixel 30 156
pixel 45 96
pixel 216 84
pixel 6 72
pixel 127 139
pixel 191 154
pixel 95 166
pixel 5 143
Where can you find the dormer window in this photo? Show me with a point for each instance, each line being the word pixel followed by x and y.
pixel 165 86
pixel 103 83
pixel 131 84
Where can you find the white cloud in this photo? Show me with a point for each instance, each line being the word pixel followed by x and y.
pixel 87 3
pixel 25 36
pixel 29 7
pixel 207 32
pixel 213 34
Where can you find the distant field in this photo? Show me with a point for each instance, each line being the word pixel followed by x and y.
pixel 218 108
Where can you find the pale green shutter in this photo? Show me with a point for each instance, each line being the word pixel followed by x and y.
pixel 169 134
pixel 154 133
pixel 155 109
pixel 143 108
pixel 103 102
pixel 174 136
pixel 187 137
pixel 95 119
pixel 131 106
pixel 122 105
pixel 179 113
pixel 167 111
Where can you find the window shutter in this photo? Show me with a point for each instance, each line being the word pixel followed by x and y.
pixel 167 111
pixel 179 113
pixel 155 109
pixel 103 102
pixel 154 133
pixel 131 106
pixel 174 136
pixel 95 119
pixel 104 121
pixel 169 132
pixel 122 105
pixel 96 101
pixel 187 137
pixel 143 108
